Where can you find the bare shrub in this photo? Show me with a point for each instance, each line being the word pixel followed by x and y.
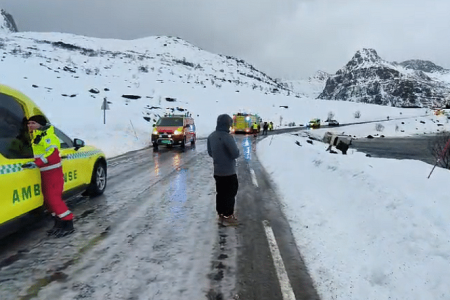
pixel 379 127
pixel 357 114
pixel 437 147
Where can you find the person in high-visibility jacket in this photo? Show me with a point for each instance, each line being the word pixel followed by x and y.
pixel 46 148
pixel 255 128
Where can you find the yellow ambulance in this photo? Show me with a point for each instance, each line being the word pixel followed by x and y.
pixel 84 167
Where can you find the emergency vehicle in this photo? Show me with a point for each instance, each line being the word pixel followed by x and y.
pixel 242 122
pixel 174 130
pixel 84 167
pixel 314 123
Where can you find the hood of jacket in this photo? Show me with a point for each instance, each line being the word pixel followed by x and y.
pixel 224 123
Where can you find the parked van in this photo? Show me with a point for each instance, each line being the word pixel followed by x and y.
pixel 174 130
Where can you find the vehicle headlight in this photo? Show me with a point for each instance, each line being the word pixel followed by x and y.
pixel 155 131
pixel 178 131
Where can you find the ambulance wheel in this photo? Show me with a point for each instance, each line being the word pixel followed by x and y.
pixel 193 141
pixel 98 181
pixel 183 142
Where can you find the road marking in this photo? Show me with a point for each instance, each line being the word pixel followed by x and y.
pixel 254 177
pixel 285 285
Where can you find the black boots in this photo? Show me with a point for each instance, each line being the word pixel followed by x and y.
pixel 61 228
pixel 55 226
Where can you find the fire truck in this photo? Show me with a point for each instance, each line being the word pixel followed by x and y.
pixel 242 122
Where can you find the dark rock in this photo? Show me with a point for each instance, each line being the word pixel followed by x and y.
pixel 68 69
pixel 133 97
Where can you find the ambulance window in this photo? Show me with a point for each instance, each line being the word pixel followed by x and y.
pixel 14 138
pixel 170 122
pixel 65 141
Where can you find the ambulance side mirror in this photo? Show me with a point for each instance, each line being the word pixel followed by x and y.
pixel 77 143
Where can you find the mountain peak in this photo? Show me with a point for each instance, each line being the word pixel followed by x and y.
pixel 364 58
pixel 7 23
pixel 367 55
pixel 320 76
pixel 369 79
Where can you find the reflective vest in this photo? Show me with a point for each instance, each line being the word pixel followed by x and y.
pixel 255 126
pixel 46 147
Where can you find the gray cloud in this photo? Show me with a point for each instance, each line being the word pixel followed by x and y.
pixel 284 38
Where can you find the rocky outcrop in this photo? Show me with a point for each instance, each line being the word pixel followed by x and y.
pixel 422 65
pixel 7 23
pixel 369 79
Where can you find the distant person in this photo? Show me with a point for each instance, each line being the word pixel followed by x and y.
pixel 255 129
pixel 46 148
pixel 223 149
pixel 265 128
pixel 270 126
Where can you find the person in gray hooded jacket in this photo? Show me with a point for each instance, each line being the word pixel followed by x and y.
pixel 224 151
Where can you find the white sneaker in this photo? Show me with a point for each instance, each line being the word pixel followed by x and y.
pixel 230 220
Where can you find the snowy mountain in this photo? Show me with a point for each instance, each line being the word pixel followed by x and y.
pixel 311 87
pixel 423 65
pixel 147 68
pixel 369 79
pixel 70 54
pixel 7 23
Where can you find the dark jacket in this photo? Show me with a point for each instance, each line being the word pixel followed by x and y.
pixel 222 147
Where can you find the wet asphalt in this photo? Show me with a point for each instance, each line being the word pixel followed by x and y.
pixel 241 265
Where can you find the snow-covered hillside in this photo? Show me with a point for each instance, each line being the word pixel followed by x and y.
pixel 311 87
pixel 145 78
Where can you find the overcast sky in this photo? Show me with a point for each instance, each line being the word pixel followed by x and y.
pixel 284 38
